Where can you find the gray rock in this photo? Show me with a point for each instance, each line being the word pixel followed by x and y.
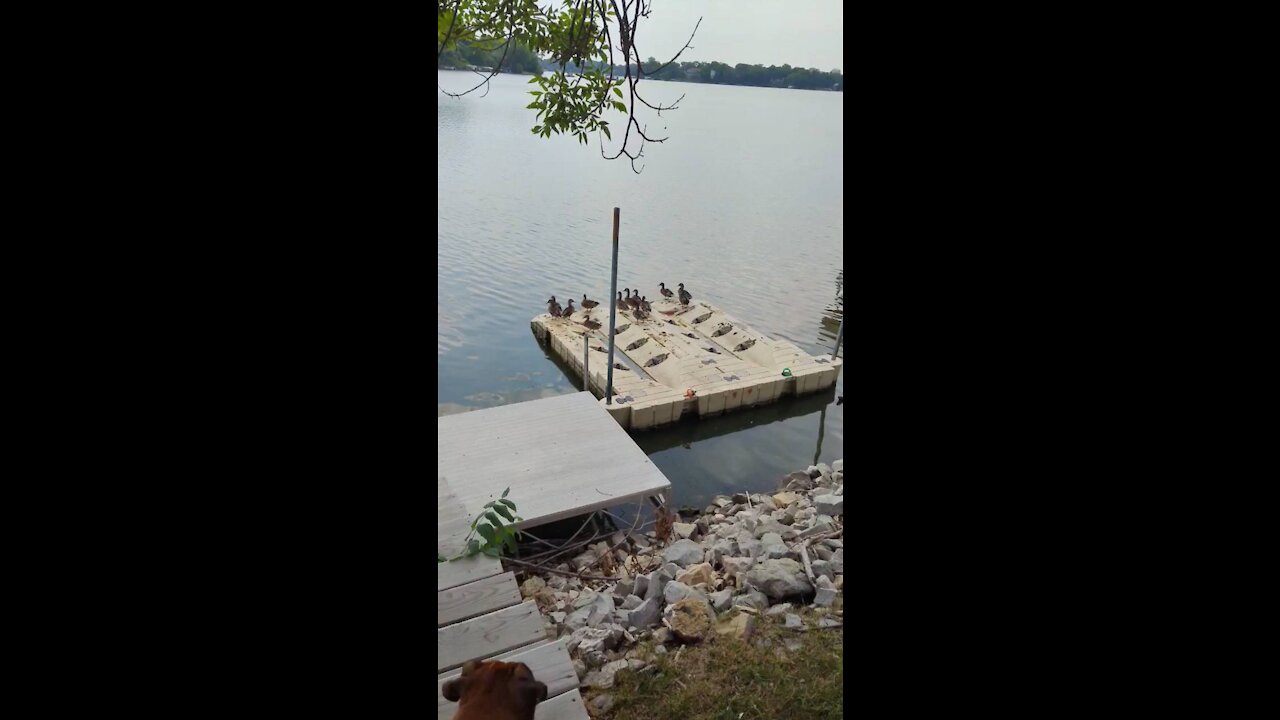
pixel 824 582
pixel 623 588
pixel 604 677
pixel 631 602
pixel 833 543
pixel 557 617
pixel 660 650
pixel 769 525
pixel 829 504
pixel 658 579
pixel 824 469
pixel 814 471
pixel 748 545
pixel 822 551
pixel 837 562
pixel 598 608
pixel 580 668
pixel 822 524
pixel 773 546
pixel 684 530
pixel 779 609
pixel 739 498
pixel 839 490
pixel 793 621
pixel 780 578
pixel 646 613
pixel 796 481
pixel 720 600
pixel 735 566
pixel 672 569
pixel 586 640
pixel 752 598
pixel 825 597
pixel 684 552
pixel 641 586
pixel 677 591
pixel 601 704
pixel 822 568
pixel 722 549
pixel 663 635
pixel 828 622
pixel 838 465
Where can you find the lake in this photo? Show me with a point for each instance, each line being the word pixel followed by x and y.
pixel 743 204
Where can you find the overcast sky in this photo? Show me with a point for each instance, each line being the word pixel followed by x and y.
pixel 800 33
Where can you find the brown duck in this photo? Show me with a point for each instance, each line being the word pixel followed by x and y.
pixel 666 292
pixel 588 304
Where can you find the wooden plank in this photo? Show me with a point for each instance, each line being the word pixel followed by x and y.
pixel 549 661
pixel 562 707
pixel 459 572
pixel 485 635
pixel 476 598
pixel 558 455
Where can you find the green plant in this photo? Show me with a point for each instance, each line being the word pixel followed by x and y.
pixel 493 531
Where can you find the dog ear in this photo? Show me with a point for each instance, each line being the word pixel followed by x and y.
pixel 535 691
pixel 455 689
pixel 469 667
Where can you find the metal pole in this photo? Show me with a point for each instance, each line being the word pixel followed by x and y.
pixel 613 309
pixel 839 337
pixel 586 363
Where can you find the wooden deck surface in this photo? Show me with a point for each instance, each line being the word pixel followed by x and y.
pixel 561 456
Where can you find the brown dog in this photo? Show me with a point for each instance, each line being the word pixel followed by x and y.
pixel 494 690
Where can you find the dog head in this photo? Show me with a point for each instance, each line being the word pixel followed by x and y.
pixel 494 690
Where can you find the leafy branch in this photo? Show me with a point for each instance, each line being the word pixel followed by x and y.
pixel 490 532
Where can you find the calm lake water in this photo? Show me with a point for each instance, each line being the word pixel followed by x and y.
pixel 743 204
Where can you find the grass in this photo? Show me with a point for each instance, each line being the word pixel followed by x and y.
pixel 728 679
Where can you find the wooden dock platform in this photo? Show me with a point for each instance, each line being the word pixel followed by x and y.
pixel 561 457
pixel 683 360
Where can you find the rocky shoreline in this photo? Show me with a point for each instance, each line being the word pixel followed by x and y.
pixel 745 559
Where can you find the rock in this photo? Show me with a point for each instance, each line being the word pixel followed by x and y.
pixel 663 635
pixel 797 481
pixel 677 591
pixel 839 490
pixel 822 568
pixel 631 602
pixel 793 622
pixel 684 530
pixel 692 619
pixel 773 546
pixel 829 504
pixel 580 668
pixel 822 551
pixel 780 578
pixel 828 622
pixel 748 545
pixel 824 470
pixel 814 471
pixel 720 600
pixel 683 553
pixel 634 664
pixel 779 609
pixel 739 498
pixel 752 598
pixel 821 525
pixel 657 580
pixel 601 704
pixel 721 502
pixel 735 566
pixel 769 525
pixel 531 587
pixel 641 585
pixel 604 677
pixel 671 569
pixel 785 499
pixel 720 549
pixel 584 560
pixel 837 466
pixel 646 613
pixel 640 541
pixel 624 588
pixel 825 597
pixel 587 640
pixel 660 650
pixel 824 582
pixel 741 626
pixel 700 573
pixel 837 561
pixel 557 617
pixel 597 609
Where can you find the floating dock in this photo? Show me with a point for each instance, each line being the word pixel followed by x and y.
pixel 683 360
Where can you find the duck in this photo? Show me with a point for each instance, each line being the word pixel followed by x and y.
pixel 568 309
pixel 553 307
pixel 588 304
pixel 666 291
pixel 634 301
pixel 626 302
pixel 645 306
pixel 685 297
pixel 590 324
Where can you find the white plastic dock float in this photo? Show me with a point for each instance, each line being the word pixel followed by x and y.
pixel 691 360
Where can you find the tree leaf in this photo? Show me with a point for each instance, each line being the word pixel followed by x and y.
pixel 618 91
pixel 492 552
pixel 493 518
pixel 488 532
pixel 505 512
pixel 508 503
pixel 504 492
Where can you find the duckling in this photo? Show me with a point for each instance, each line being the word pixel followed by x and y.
pixel 568 309
pixel 626 302
pixel 591 324
pixel 588 304
pixel 685 297
pixel 621 303
pixel 553 307
pixel 666 292
pixel 645 306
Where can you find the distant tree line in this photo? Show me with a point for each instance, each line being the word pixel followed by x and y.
pixel 717 73
pixel 520 59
